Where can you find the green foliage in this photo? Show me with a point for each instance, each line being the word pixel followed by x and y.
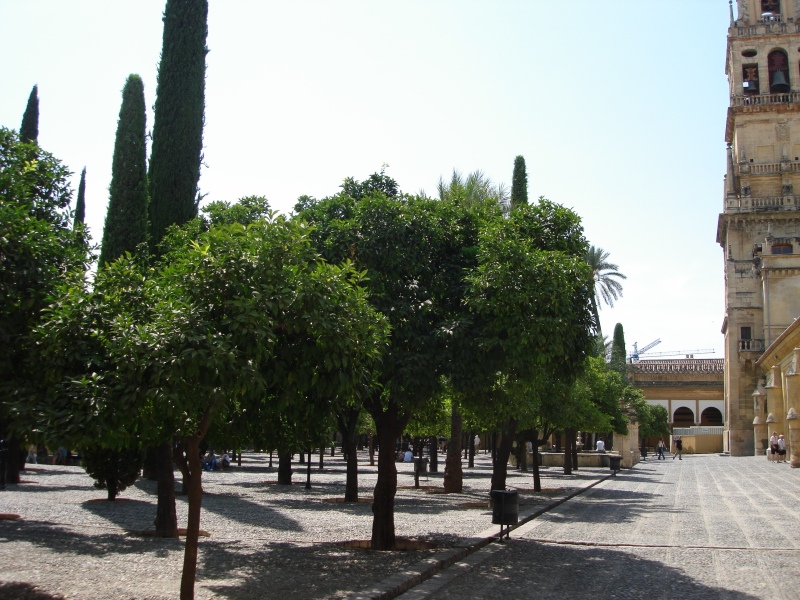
pixel 472 190
pixel 177 150
pixel 246 211
pixel 519 183
pixel 38 252
pixel 377 183
pixel 619 357
pixel 606 280
pixel 529 294
pixel 113 470
pixel 80 204
pixel 653 420
pixel 29 129
pixel 126 219
pixel 241 317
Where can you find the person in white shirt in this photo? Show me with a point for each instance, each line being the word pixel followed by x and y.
pixel 773 447
pixel 781 449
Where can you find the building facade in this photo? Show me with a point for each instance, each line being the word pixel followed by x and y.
pixel 759 228
pixel 691 390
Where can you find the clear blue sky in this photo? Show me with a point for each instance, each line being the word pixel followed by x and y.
pixel 618 108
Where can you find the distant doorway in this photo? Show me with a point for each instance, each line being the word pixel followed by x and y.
pixel 683 417
pixel 711 417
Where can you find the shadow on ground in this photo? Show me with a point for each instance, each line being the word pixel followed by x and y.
pixel 530 569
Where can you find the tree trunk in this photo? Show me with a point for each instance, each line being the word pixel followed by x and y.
pixel 13 456
pixel 389 428
pixel 166 515
pixel 191 465
pixel 150 466
pixel 111 488
pixel 285 468
pixel 503 451
pixel 184 469
pixel 453 473
pixel 574 454
pixel 308 471
pixel 537 481
pixel 347 422
pixel 471 445
pixel 434 466
pixel 371 450
pixel 568 438
pixel 522 454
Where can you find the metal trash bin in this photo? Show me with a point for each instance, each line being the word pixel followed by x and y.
pixel 614 463
pixel 420 466
pixel 505 508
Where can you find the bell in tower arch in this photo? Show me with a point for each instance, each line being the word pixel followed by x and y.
pixel 779 71
pixel 779 83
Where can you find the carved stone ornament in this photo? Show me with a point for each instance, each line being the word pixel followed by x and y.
pixel 741 10
pixel 792 415
pixel 782 132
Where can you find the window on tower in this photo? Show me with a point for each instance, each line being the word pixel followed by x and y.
pixel 782 249
pixel 770 6
pixel 750 79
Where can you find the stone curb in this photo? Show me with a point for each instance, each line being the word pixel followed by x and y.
pixel 399 583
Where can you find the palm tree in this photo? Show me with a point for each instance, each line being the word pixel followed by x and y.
pixel 606 280
pixel 474 189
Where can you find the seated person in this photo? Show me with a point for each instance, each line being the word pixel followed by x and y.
pixel 210 461
pixel 408 456
pixel 225 460
pixel 601 446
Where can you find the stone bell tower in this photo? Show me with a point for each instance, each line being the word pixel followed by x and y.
pixel 759 228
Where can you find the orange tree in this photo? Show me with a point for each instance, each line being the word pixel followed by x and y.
pixel 214 329
pixel 415 252
pixel 39 250
pixel 528 319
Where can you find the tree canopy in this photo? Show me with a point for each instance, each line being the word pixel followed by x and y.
pixel 38 251
pixel 126 218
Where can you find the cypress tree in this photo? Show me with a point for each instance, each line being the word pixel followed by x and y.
pixel 519 184
pixel 29 130
pixel 179 115
pixel 126 219
pixel 175 170
pixel 80 205
pixel 618 354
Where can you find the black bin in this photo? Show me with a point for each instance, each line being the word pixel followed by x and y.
pixel 614 462
pixel 420 466
pixel 505 507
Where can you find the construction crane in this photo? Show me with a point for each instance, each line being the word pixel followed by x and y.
pixel 686 353
pixel 634 356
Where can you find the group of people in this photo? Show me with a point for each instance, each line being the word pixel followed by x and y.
pixel 662 447
pixel 777 447
pixel 211 461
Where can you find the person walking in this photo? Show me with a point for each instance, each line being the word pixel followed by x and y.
pixel 660 449
pixel 678 449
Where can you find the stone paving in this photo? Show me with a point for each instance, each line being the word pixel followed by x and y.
pixel 705 527
pixel 265 540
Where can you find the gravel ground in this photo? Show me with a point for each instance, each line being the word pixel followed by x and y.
pixel 265 540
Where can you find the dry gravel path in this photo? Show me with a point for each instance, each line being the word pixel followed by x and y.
pixel 265 540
